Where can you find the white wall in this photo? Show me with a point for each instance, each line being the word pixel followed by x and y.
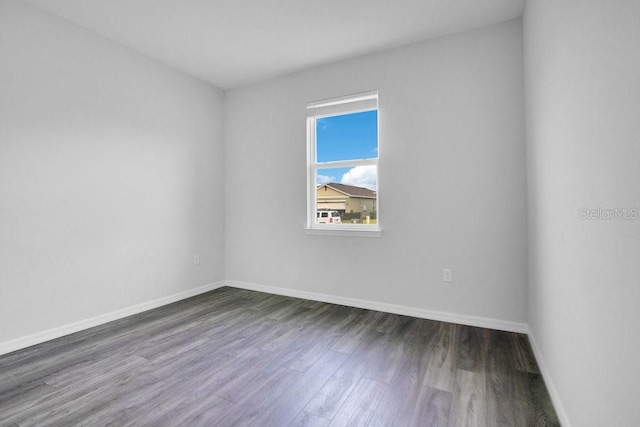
pixel 111 176
pixel 582 62
pixel 452 179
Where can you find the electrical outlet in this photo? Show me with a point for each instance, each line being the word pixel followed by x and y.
pixel 447 275
pixel 196 259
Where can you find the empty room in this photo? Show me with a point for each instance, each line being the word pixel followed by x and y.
pixel 285 212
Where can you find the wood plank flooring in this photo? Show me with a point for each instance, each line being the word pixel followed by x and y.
pixel 237 357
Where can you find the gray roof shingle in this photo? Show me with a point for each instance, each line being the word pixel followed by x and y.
pixel 352 190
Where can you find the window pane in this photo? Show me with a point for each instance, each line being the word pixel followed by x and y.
pixel 347 137
pixel 349 194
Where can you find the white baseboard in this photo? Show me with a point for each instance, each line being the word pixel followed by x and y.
pixel 49 334
pixel 424 314
pixel 40 337
pixel 553 393
pixel 481 322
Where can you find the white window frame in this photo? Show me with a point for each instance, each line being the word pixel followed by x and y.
pixel 355 103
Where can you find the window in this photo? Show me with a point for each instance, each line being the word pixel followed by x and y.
pixel 342 169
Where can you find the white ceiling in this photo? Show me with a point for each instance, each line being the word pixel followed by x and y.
pixel 230 43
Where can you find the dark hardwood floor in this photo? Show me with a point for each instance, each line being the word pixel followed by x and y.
pixel 236 357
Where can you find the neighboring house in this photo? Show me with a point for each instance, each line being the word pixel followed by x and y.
pixel 346 198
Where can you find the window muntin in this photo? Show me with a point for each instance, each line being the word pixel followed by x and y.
pixel 342 147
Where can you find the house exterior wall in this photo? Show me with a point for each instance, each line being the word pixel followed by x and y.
pixel 356 204
pixel 329 198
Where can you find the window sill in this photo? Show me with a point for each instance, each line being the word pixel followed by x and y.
pixel 344 231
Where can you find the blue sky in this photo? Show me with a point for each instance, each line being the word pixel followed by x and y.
pixel 348 137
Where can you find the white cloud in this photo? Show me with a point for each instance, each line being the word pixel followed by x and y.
pixel 362 176
pixel 324 179
pixel 322 124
